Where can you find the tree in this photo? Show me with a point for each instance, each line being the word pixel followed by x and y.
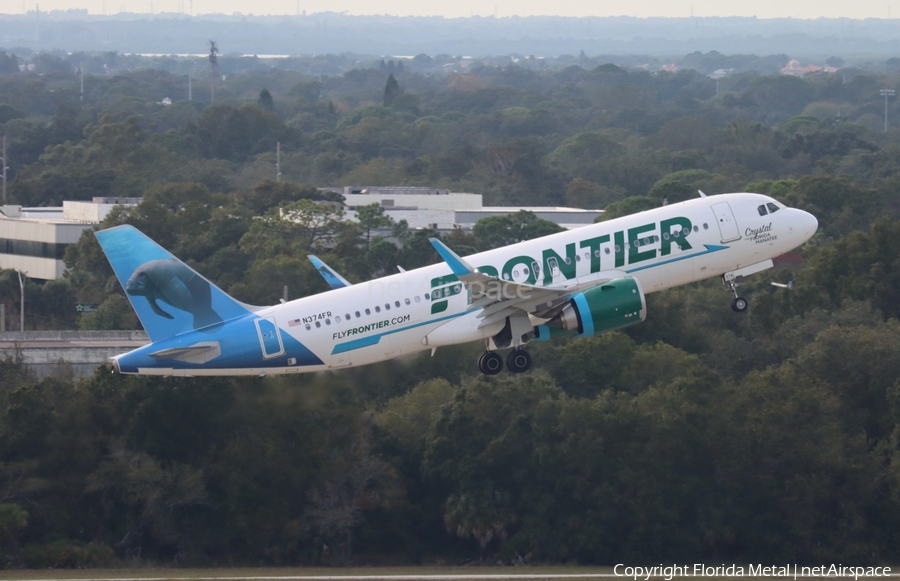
pixel 13 520
pixel 409 418
pixel 861 266
pixel 113 314
pixel 9 63
pixel 391 90
pixel 628 206
pixel 483 515
pixel 338 504
pixel 293 228
pixel 497 231
pixel 585 155
pixel 265 100
pixel 372 217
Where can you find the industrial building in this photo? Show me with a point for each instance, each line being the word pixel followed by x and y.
pixel 443 210
pixel 34 240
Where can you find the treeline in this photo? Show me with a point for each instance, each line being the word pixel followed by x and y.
pixel 766 437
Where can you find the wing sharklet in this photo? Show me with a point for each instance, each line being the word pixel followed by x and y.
pixel 334 280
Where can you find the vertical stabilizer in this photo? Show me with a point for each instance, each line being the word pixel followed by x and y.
pixel 168 296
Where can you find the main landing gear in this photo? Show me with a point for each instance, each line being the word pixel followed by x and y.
pixel 739 304
pixel 491 362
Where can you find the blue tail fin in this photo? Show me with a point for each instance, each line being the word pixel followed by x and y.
pixel 168 296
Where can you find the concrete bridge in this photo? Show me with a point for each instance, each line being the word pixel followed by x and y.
pixel 52 352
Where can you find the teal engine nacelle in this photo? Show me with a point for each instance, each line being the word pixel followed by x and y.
pixel 609 306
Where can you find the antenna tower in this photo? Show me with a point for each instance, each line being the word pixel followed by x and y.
pixel 213 67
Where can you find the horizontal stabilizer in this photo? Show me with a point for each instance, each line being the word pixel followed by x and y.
pixel 199 353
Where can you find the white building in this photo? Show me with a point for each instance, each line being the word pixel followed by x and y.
pixel 34 240
pixel 444 210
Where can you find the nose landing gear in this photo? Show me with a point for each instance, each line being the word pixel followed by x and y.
pixel 739 304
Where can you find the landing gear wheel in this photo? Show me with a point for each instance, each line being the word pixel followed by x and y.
pixel 518 361
pixel 490 363
pixel 739 304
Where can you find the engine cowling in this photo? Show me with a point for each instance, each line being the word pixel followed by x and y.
pixel 606 307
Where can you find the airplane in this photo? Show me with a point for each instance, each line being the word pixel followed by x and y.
pixel 576 283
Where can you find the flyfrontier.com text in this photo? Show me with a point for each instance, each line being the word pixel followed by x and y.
pixel 669 572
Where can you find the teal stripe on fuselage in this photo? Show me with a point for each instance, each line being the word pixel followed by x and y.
pixel 374 339
pixel 710 248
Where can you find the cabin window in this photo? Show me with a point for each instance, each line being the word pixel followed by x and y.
pixel 685 231
pixel 406 301
pixel 705 226
pixel 308 327
pixel 427 297
pixel 577 258
pixel 397 304
pixel 696 228
pixel 368 312
pixel 597 252
pixel 516 273
pixel 665 235
pixel 347 317
pixel 387 306
pixel 357 314
pixel 337 319
pixel 607 251
pixel 568 260
pixel 377 309
pixel 762 210
pixel 318 324
pixel 618 249
pixel 418 299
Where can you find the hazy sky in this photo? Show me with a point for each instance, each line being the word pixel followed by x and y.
pixel 502 8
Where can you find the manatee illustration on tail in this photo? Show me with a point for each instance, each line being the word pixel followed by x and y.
pixel 172 282
pixel 168 296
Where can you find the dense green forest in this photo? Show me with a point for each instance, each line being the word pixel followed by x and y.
pixel 702 434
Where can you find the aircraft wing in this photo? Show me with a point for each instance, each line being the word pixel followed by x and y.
pixel 333 279
pixel 500 298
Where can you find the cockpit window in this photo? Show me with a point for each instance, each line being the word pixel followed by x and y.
pixel 762 210
pixel 773 207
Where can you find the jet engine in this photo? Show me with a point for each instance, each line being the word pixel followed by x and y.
pixel 609 306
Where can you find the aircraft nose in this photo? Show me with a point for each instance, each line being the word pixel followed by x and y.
pixel 806 224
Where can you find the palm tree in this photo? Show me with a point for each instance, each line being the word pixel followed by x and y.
pixel 483 516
